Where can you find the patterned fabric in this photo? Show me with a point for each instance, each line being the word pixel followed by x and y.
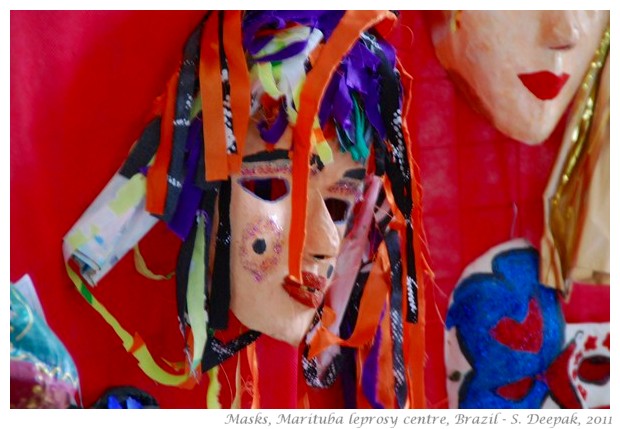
pixel 43 375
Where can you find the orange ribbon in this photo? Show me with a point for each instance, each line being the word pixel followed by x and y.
pixel 341 41
pixel 371 306
pixel 239 77
pixel 213 127
pixel 157 178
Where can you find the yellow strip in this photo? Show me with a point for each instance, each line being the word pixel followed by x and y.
pixel 213 392
pixel 142 354
pixel 143 269
pixel 265 75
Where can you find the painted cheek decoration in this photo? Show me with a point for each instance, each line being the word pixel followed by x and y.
pixel 544 85
pixel 310 293
pixel 261 248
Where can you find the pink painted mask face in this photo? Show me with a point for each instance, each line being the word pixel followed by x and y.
pixel 519 68
pixel 260 218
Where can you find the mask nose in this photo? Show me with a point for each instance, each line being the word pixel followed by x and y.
pixel 560 29
pixel 322 238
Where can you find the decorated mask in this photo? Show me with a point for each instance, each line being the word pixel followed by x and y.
pixel 508 345
pixel 505 330
pixel 519 68
pixel 257 159
pixel 260 216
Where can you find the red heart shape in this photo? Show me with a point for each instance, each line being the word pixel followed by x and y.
pixel 523 336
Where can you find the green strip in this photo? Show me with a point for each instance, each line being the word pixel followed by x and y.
pixel 144 357
pixel 195 295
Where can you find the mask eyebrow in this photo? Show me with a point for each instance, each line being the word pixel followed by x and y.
pixel 355 173
pixel 265 156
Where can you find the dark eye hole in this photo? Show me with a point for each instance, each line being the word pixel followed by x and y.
pixel 337 209
pixel 270 189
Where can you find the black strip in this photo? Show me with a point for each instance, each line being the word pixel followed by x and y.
pixel 412 283
pixel 399 173
pixel 144 149
pixel 316 160
pixel 356 173
pixel 217 352
pixel 398 359
pixel 181 122
pixel 200 180
pixel 345 360
pixel 265 156
pixel 184 260
pixel 380 155
pixel 208 206
pixel 220 289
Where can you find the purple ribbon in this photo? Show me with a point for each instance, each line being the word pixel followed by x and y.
pixel 255 21
pixel 286 52
pixel 273 133
pixel 370 369
pixel 189 200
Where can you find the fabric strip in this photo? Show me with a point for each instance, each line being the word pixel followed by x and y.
pixel 239 77
pixel 157 179
pixel 340 42
pixel 400 385
pixel 181 123
pixel 143 151
pixel 217 352
pixel 220 289
pixel 216 165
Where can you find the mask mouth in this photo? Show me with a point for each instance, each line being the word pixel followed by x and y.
pixel 545 85
pixel 309 293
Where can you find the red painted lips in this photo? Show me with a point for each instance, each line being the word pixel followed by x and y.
pixel 310 292
pixel 544 85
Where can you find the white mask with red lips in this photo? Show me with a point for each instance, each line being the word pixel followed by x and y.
pixel 519 68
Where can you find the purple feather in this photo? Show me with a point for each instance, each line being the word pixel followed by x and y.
pixel 327 102
pixel 343 105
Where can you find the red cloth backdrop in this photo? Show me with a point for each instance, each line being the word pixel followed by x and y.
pixel 82 85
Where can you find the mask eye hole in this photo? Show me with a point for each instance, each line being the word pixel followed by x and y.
pixel 269 189
pixel 337 208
